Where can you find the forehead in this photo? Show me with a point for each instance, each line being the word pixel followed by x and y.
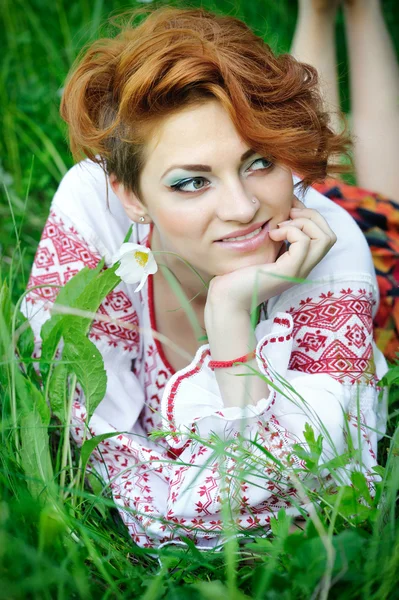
pixel 202 131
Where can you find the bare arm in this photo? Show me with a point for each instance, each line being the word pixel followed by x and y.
pixel 230 336
pixel 229 301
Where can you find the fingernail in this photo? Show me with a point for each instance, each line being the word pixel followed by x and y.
pixel 283 223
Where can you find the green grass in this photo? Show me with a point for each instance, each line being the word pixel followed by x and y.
pixel 62 537
pixel 67 541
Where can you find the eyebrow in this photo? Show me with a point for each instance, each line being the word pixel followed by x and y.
pixel 205 168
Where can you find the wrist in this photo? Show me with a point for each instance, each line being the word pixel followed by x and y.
pixel 227 364
pixel 231 337
pixel 220 305
pixel 219 317
pixel 230 334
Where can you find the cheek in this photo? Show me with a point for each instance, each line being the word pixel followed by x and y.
pixel 178 226
pixel 276 190
pixel 283 195
pixel 285 184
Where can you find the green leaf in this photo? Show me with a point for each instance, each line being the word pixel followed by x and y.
pixel 351 507
pixel 359 481
pixel 52 525
pixel 74 288
pixel 51 330
pixel 89 300
pixel 96 290
pixel 30 399
pixel 216 590
pixel 35 456
pixel 86 362
pixel 50 334
pixel 26 341
pixel 315 446
pixel 57 392
pixel 392 376
pixel 255 316
pixel 5 305
pixel 348 545
pixel 129 233
pixel 95 482
pixel 97 488
pixel 85 291
pixel 92 443
pixel 280 525
pixel 309 562
pixel 311 456
pixel 337 462
pixel 5 335
pixel 379 470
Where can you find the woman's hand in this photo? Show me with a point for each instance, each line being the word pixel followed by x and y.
pixel 310 238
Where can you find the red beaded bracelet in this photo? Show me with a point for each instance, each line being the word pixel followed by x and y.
pixel 223 364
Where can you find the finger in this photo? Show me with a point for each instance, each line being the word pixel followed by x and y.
pixel 316 217
pixel 296 203
pixel 320 243
pixel 308 256
pixel 313 230
pixel 299 244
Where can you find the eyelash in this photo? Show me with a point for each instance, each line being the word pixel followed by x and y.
pixel 177 187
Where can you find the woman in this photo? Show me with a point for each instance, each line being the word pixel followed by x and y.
pixel 203 133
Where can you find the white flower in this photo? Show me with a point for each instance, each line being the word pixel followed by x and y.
pixel 136 263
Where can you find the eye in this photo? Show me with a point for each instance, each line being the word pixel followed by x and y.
pixel 268 164
pixel 195 182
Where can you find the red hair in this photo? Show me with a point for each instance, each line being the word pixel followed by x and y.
pixel 120 88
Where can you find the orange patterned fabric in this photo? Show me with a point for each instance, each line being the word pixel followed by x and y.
pixel 378 218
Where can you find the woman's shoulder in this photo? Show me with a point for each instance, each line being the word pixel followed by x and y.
pixel 85 197
pixel 82 228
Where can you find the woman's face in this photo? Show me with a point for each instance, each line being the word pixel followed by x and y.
pixel 198 184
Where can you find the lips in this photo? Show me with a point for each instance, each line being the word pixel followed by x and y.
pixel 243 231
pixel 250 244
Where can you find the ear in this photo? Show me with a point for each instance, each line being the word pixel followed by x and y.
pixel 133 206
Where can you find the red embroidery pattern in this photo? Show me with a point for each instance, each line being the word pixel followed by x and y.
pixel 150 416
pixel 174 390
pixel 157 369
pixel 119 306
pixel 333 334
pixel 61 254
pixel 211 485
pixel 278 338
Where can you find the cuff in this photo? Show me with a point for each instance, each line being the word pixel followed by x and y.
pixel 192 402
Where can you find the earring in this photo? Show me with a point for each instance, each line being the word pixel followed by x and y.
pixel 142 219
pixel 254 200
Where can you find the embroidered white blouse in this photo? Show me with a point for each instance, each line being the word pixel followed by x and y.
pixel 315 343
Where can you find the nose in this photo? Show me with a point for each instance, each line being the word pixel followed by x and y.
pixel 235 203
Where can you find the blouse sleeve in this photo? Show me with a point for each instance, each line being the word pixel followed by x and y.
pixel 121 460
pixel 316 350
pixel 64 249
